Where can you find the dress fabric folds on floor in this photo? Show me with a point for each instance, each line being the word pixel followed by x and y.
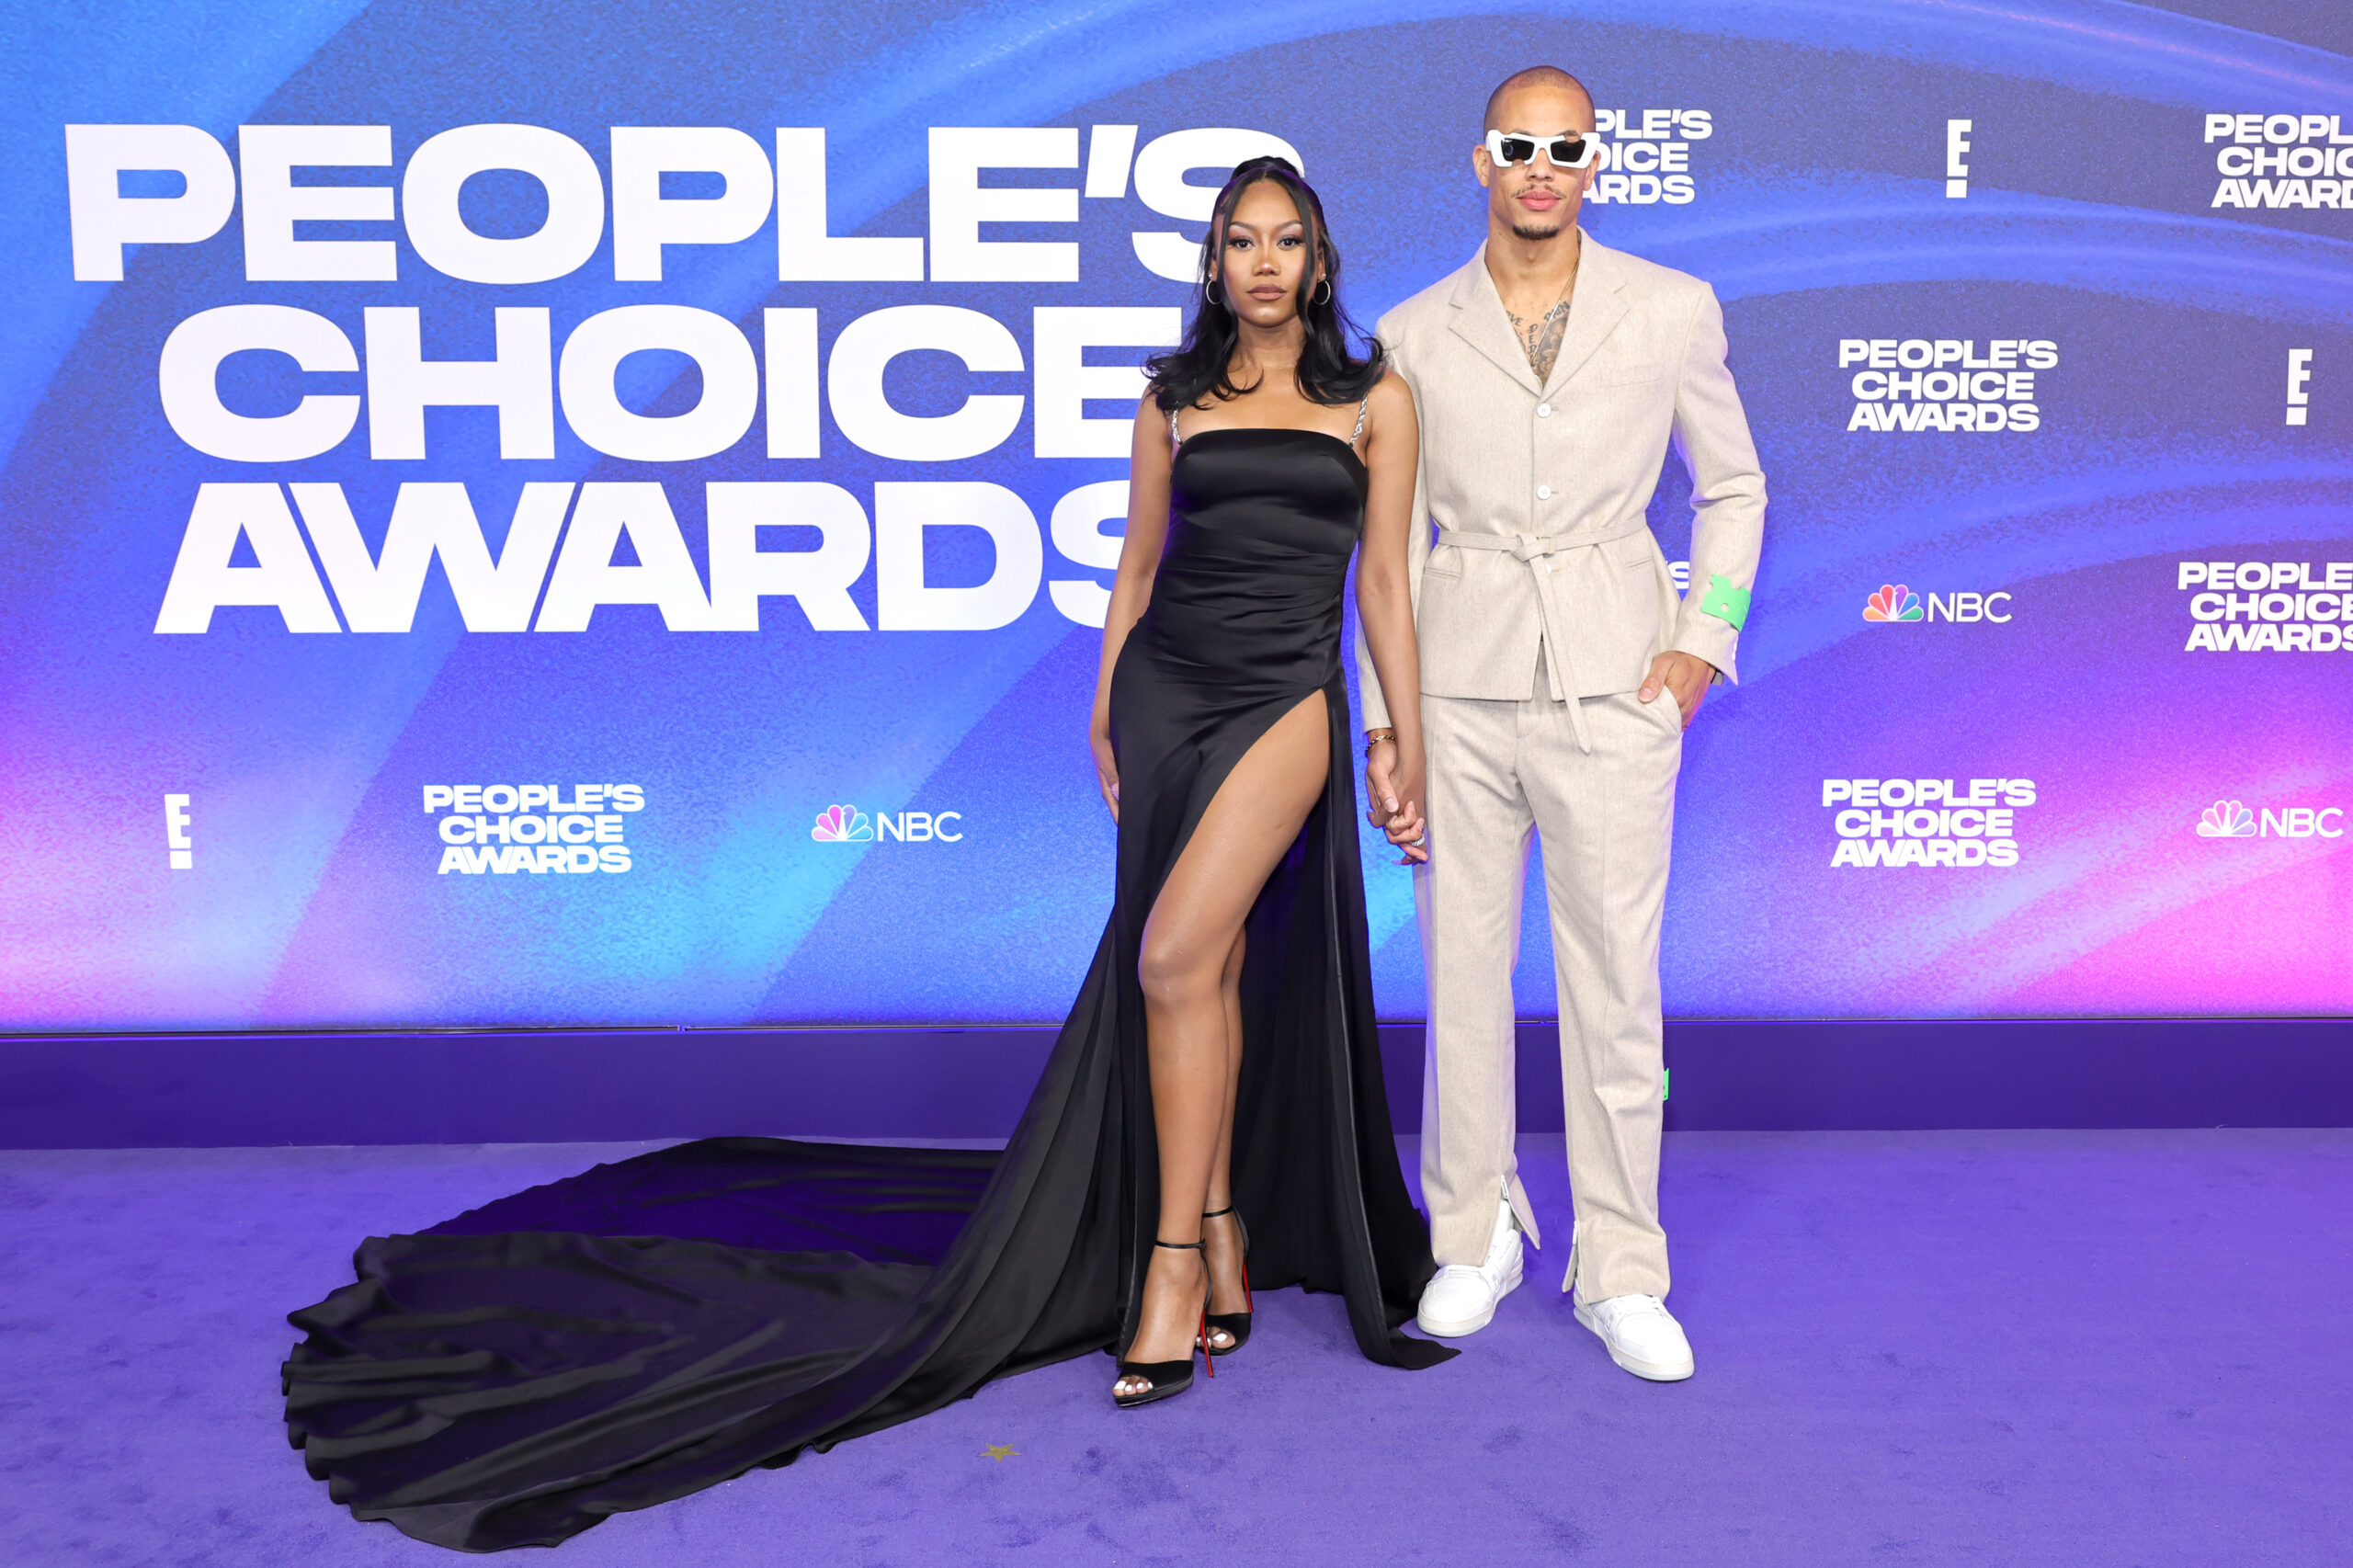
pixel 649 1328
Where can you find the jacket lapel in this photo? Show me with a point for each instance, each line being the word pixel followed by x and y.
pixel 1594 310
pixel 1480 321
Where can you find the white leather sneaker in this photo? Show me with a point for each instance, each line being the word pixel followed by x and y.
pixel 1461 1300
pixel 1641 1336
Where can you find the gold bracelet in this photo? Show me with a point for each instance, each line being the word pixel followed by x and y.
pixel 1374 737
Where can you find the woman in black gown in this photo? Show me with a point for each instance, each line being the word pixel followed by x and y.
pixel 1222 715
pixel 650 1328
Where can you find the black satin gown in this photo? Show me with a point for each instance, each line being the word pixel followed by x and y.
pixel 649 1328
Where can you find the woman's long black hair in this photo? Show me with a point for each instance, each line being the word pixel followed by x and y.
pixel 1328 371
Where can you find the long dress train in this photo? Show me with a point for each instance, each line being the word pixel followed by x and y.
pixel 651 1327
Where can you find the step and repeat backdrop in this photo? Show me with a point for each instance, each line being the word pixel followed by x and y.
pixel 519 515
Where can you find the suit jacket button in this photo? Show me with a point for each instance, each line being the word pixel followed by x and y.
pixel 1543 493
pixel 1544 411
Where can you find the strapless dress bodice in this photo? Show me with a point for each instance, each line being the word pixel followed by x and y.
pixel 1262 522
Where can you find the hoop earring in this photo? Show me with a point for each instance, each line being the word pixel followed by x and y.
pixel 1209 292
pixel 1327 295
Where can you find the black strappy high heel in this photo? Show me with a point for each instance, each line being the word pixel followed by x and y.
pixel 1234 1325
pixel 1166 1380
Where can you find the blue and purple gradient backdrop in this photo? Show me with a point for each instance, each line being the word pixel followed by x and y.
pixel 1821 215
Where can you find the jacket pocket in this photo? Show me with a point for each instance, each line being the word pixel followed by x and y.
pixel 1614 603
pixel 1631 375
pixel 1634 553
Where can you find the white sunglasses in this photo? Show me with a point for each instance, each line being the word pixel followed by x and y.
pixel 1569 150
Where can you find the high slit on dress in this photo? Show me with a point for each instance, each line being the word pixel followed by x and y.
pixel 651 1327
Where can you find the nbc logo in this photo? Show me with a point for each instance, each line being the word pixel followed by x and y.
pixel 2229 819
pixel 847 825
pixel 1892 602
pixel 1896 602
pixel 842 824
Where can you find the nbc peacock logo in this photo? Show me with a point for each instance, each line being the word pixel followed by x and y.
pixel 847 825
pixel 1892 602
pixel 842 824
pixel 2233 818
pixel 2227 819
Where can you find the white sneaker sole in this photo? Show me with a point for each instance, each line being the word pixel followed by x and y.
pixel 1456 1328
pixel 1654 1372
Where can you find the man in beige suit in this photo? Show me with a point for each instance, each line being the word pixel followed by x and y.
pixel 1559 669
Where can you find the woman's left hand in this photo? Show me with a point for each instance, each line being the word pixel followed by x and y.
pixel 1406 827
pixel 1107 762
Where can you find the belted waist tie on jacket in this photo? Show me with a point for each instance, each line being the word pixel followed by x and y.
pixel 1535 549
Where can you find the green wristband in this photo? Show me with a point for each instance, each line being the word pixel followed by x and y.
pixel 1725 602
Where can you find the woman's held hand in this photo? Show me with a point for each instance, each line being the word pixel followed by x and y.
pixel 1394 781
pixel 1380 781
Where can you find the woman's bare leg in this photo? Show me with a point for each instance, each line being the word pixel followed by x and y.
pixel 1224 1237
pixel 1191 1013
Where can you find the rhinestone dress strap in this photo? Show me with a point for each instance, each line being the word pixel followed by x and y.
pixel 1358 434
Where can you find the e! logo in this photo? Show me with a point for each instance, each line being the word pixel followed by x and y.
pixel 175 838
pixel 1956 152
pixel 2300 371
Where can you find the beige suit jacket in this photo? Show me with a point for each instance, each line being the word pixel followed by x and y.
pixel 1565 471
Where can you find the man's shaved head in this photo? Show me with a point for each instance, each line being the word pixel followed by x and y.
pixel 1534 77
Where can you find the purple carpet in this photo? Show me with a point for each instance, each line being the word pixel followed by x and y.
pixel 2084 1349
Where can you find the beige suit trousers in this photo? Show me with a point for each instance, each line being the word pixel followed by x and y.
pixel 1607 818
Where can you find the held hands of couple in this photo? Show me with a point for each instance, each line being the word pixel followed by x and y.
pixel 1394 787
pixel 1685 675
